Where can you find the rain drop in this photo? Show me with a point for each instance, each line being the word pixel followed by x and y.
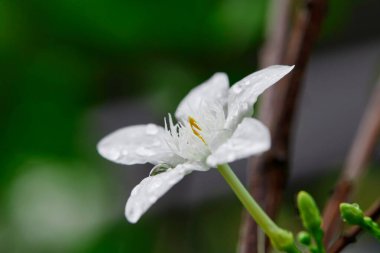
pixel 142 151
pixel 124 152
pixel 113 153
pixel 237 89
pixel 151 129
pixel 230 157
pixel 152 199
pixel 158 169
pixel 244 106
pixel 153 187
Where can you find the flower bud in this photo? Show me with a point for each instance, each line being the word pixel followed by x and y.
pixel 351 213
pixel 311 218
pixel 304 238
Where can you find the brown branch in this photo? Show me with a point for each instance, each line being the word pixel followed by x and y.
pixel 268 173
pixel 277 32
pixel 350 235
pixel 356 164
pixel 272 53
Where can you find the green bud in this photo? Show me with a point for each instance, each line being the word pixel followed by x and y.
pixel 304 238
pixel 310 215
pixel 351 213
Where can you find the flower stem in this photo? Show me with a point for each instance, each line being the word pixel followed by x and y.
pixel 280 238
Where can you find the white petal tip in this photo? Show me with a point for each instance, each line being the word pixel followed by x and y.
pixel 291 67
pixel 132 214
pixel 283 68
pixel 110 153
pixel 131 219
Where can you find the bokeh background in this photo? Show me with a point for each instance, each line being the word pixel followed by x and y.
pixel 72 71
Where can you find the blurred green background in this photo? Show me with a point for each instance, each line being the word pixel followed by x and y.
pixel 63 61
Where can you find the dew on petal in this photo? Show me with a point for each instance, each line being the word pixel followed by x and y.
pixel 245 106
pixel 151 129
pixel 112 153
pixel 152 199
pixel 230 157
pixel 142 151
pixel 158 169
pixel 124 152
pixel 153 187
pixel 237 89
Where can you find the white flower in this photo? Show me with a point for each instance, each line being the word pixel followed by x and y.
pixel 214 127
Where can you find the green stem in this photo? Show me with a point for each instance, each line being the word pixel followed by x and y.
pixel 280 238
pixel 372 227
pixel 266 224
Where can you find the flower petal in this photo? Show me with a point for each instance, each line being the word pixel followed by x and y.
pixel 250 137
pixel 243 94
pixel 215 88
pixel 136 145
pixel 145 194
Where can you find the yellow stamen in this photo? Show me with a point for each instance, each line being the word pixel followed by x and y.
pixel 196 128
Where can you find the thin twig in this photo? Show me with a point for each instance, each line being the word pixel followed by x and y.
pixel 268 173
pixel 272 53
pixel 277 32
pixel 356 164
pixel 350 235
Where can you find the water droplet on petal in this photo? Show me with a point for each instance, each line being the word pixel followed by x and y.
pixel 230 157
pixel 151 129
pixel 159 168
pixel 142 151
pixel 152 188
pixel 113 153
pixel 152 199
pixel 244 106
pixel 237 89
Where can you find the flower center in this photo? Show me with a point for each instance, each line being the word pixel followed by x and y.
pixel 196 128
